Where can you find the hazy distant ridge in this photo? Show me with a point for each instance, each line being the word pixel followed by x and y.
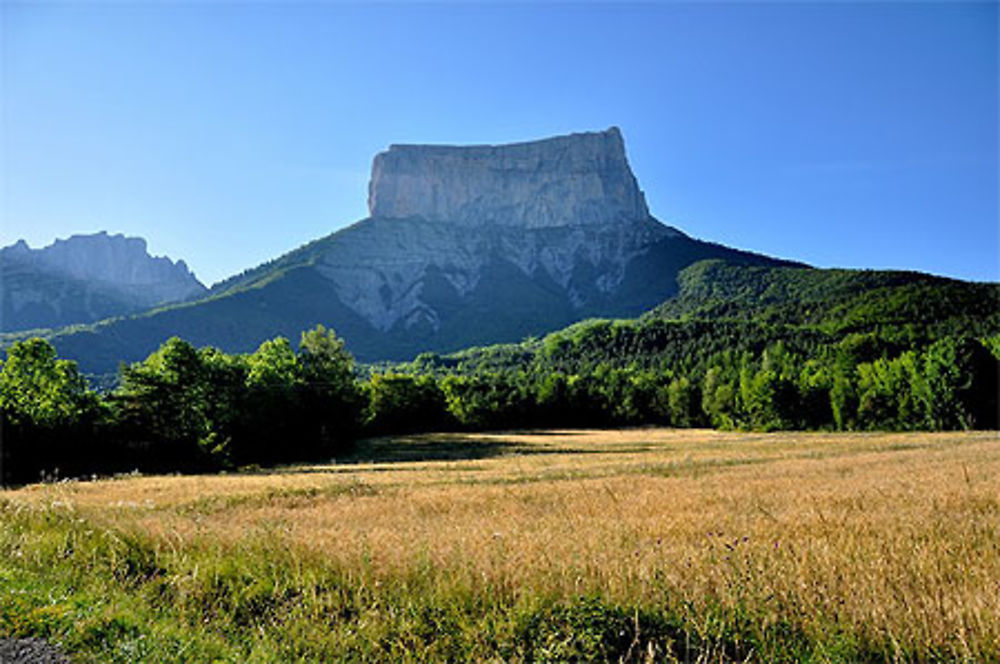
pixel 86 278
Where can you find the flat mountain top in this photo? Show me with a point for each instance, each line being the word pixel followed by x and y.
pixel 574 180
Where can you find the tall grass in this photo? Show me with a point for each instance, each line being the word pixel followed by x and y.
pixel 640 545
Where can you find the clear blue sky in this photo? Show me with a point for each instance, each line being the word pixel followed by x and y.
pixel 856 135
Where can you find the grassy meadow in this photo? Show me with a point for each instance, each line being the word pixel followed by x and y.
pixel 626 545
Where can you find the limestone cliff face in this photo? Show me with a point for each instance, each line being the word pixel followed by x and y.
pixel 86 278
pixel 577 180
pixel 555 209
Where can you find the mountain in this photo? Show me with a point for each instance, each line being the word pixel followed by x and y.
pixel 463 246
pixel 723 308
pixel 86 278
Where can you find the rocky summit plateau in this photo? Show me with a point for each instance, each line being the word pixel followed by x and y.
pixel 576 180
pixel 447 225
pixel 463 245
pixel 86 278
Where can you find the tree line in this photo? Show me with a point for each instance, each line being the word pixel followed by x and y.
pixel 191 410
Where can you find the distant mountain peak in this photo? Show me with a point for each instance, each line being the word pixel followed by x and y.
pixel 119 259
pixel 87 277
pixel 580 179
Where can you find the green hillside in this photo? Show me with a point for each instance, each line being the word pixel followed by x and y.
pixel 725 307
pixel 749 347
pixel 839 301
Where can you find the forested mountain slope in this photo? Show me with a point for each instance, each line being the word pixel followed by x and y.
pixel 742 346
pixel 834 300
pixel 724 306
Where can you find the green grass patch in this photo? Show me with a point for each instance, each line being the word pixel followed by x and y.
pixel 108 595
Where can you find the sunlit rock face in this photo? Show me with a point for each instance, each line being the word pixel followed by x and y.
pixel 85 278
pixel 565 212
pixel 577 180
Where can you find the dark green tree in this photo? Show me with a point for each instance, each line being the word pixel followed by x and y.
pixel 400 403
pixel 38 388
pixel 162 405
pixel 48 415
pixel 331 398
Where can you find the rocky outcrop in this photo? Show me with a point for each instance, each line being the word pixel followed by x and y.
pixel 86 278
pixel 30 651
pixel 548 207
pixel 123 262
pixel 577 180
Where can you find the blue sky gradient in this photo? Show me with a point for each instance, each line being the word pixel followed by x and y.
pixel 850 135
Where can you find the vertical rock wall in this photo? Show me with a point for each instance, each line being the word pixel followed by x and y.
pixel 576 180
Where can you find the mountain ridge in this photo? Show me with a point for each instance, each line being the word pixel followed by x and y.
pixel 85 278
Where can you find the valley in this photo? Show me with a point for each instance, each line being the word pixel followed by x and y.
pixel 440 368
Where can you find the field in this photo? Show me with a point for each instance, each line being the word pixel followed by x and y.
pixel 633 545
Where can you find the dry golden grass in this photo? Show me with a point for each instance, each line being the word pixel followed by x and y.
pixel 893 536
